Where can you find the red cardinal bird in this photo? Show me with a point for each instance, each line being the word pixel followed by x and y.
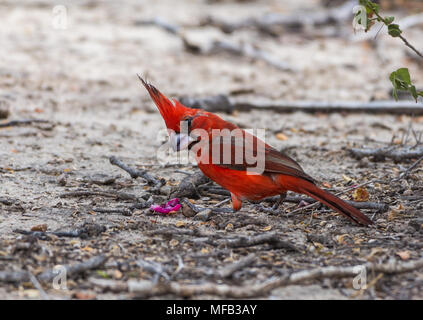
pixel 280 173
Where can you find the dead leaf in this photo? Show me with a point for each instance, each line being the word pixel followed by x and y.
pixel 281 136
pixel 267 228
pixel 229 227
pixel 88 249
pixel 204 250
pixel 341 238
pixel 173 242
pixel 375 251
pixel 179 224
pixel 404 255
pixel 361 194
pixel 117 274
pixel 326 185
pixel 346 178
pixel 40 227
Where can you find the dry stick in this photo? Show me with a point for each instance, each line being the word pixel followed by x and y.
pixel 122 211
pixel 188 187
pixel 159 22
pixel 85 231
pixel 48 275
pixel 92 263
pixel 112 194
pixel 146 289
pixel 395 154
pixel 157 269
pixel 38 286
pixel 273 239
pixel 292 21
pixel 222 202
pixel 391 107
pixel 15 123
pixel 408 170
pixel 135 173
pixel 229 270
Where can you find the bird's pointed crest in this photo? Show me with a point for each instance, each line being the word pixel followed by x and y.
pixel 172 111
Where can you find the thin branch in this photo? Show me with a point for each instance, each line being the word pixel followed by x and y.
pixel 48 275
pixel 135 173
pixel 145 289
pixel 16 123
pixel 396 154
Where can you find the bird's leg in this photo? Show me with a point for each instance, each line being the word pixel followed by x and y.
pixel 281 199
pixel 236 202
pixel 275 208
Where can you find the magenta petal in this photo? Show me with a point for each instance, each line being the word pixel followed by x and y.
pixel 172 202
pixel 172 205
pixel 175 208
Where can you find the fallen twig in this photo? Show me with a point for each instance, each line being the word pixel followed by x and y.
pixel 156 268
pixel 16 123
pixel 159 22
pixel 273 239
pixel 212 104
pixel 135 173
pixel 48 275
pixel 391 152
pixel 188 187
pixel 37 285
pixel 122 211
pixel 404 174
pixel 145 289
pixel 87 230
pixel 388 107
pixel 229 270
pixel 297 21
pixel 112 194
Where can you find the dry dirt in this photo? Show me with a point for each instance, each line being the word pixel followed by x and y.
pixel 83 81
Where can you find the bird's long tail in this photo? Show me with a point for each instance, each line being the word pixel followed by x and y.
pixel 332 201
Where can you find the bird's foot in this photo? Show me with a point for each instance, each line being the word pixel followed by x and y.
pixel 277 204
pixel 271 210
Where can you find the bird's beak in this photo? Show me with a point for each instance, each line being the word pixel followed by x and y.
pixel 180 141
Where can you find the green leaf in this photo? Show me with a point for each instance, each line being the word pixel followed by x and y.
pixel 370 6
pixel 394 30
pixel 395 93
pixel 389 20
pixel 401 80
pixel 404 75
pixel 413 92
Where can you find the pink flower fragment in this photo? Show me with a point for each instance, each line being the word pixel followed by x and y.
pixel 171 205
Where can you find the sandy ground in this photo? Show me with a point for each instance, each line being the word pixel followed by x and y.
pixel 82 79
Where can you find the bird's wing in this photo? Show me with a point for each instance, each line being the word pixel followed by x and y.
pixel 254 153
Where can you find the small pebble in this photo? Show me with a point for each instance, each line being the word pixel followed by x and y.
pixel 204 215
